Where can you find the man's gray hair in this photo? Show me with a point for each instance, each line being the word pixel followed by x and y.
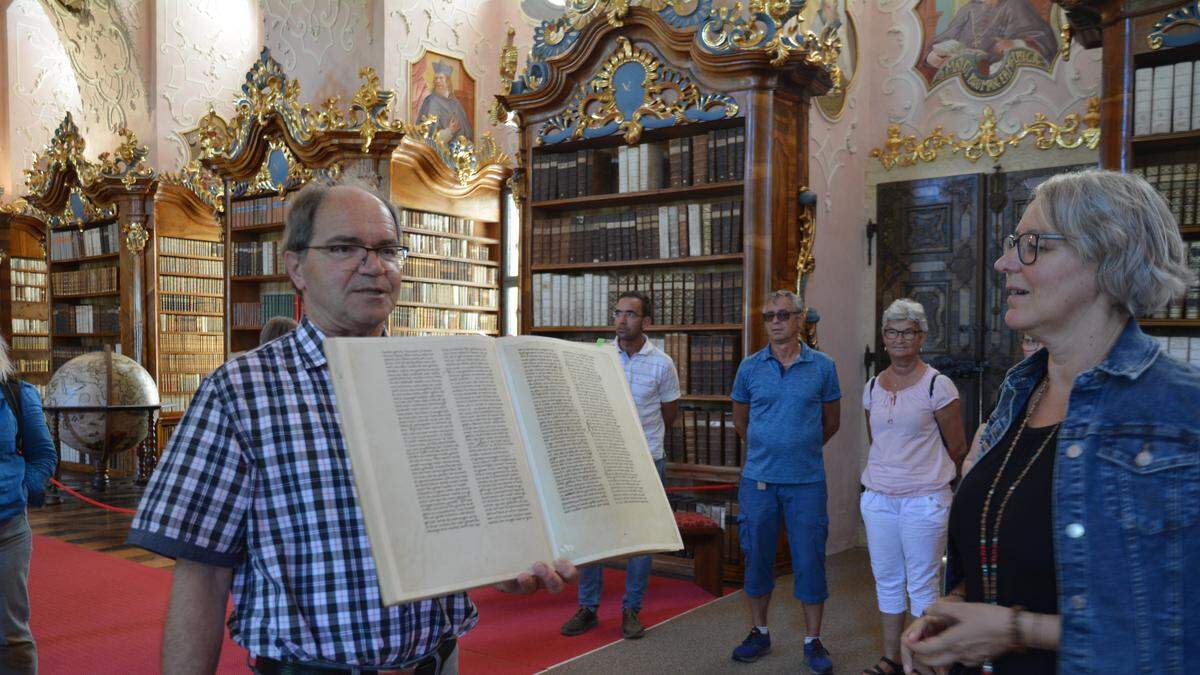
pixel 6 364
pixel 302 212
pixel 1124 227
pixel 786 297
pixel 905 309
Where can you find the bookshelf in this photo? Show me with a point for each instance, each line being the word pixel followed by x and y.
pixel 658 156
pixel 25 306
pixel 273 146
pixel 452 227
pixel 1150 116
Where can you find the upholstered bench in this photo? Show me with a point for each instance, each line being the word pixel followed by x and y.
pixel 706 539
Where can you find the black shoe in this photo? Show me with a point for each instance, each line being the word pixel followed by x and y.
pixel 631 628
pixel 583 621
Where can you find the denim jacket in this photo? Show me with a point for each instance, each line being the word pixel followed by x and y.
pixel 1125 508
pixel 23 477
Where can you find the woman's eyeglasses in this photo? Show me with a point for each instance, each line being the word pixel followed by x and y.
pixel 1028 245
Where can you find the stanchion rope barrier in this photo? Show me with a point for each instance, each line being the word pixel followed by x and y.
pixel 88 500
pixel 701 488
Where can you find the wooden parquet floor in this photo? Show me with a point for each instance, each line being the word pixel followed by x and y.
pixel 91 527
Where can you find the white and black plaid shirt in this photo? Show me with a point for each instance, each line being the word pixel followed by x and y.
pixel 256 478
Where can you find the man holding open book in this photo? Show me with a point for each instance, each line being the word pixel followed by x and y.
pixel 254 493
pixel 785 407
pixel 654 383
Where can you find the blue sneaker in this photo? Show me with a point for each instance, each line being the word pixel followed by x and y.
pixel 817 658
pixel 755 645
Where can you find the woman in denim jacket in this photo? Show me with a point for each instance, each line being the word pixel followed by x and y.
pixel 1110 483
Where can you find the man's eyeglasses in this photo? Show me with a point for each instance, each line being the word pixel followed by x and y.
pixel 1028 245
pixel 392 255
pixel 618 314
pixel 906 334
pixel 782 315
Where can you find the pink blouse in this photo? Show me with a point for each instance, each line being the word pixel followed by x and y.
pixel 908 457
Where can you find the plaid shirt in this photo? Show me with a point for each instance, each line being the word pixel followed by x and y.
pixel 256 478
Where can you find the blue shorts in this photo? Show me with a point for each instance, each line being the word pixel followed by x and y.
pixel 802 507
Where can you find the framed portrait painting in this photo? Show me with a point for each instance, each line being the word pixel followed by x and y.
pixel 439 85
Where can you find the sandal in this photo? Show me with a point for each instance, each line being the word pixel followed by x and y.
pixel 893 668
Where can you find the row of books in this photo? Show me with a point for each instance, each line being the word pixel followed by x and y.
pixel 191 363
pixel 449 270
pixel 1187 307
pixel 61 353
pixel 31 342
pixel 447 294
pixel 29 293
pixel 437 222
pixel 712 157
pixel 454 248
pixel 191 267
pixel 169 284
pixel 27 265
pixel 705 437
pixel 257 211
pixel 175 402
pixel 706 363
pixel 642 233
pixel 198 304
pixel 183 323
pixel 21 278
pixel 1179 183
pixel 680 298
pixel 31 326
pixel 187 343
pixel 68 244
pixel 31 365
pixel 258 258
pixel 1182 347
pixel 179 383
pixel 88 279
pixel 277 298
pixel 192 247
pixel 1166 99
pixel 441 319
pixel 87 318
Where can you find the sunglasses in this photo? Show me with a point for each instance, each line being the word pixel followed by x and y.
pixel 782 315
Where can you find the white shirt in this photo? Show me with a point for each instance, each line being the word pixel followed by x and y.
pixel 653 381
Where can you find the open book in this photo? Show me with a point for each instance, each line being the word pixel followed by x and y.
pixel 475 457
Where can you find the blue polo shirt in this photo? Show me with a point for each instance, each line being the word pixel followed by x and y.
pixel 784 438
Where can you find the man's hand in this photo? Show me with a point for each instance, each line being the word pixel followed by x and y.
pixel 541 576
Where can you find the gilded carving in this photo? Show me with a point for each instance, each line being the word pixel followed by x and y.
pixel 204 183
pixel 136 236
pixel 462 155
pixel 1187 15
pixel 1073 132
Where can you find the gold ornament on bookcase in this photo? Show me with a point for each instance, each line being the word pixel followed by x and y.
pixel 497 112
pixel 203 183
pixel 136 234
pixel 1186 15
pixel 297 172
pixel 127 162
pixel 64 151
pixel 464 157
pixel 1075 131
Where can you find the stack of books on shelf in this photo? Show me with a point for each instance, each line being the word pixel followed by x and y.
pixel 61 353
pixel 89 278
pixel 442 246
pixel 28 280
pixel 447 294
pixel 640 233
pixel 1167 99
pixel 704 436
pixel 263 211
pixel 450 270
pixel 680 298
pixel 440 319
pixel 89 318
pixel 1189 306
pixel 30 342
pixel 191 319
pixel 29 327
pixel 706 362
pixel 68 244
pixel 259 258
pixel 276 298
pixel 1179 183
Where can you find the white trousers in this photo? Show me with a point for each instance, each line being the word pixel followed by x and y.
pixel 906 537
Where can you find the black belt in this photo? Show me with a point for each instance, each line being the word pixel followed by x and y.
pixel 430 665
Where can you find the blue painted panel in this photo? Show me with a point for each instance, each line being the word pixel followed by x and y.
pixel 277 167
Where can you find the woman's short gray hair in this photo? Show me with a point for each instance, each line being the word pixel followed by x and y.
pixel 1124 227
pixel 302 212
pixel 6 364
pixel 905 309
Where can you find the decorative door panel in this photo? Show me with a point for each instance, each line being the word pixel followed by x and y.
pixel 929 250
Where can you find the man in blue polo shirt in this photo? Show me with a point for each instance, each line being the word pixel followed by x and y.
pixel 785 408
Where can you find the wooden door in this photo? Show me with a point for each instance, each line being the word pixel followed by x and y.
pixel 930 250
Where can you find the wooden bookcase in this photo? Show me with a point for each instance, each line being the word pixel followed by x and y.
pixel 25 300
pixel 1152 38
pixel 452 227
pixel 632 122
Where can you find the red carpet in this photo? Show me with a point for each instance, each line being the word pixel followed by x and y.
pixel 100 614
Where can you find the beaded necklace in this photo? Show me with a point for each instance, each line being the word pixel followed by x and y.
pixel 989 550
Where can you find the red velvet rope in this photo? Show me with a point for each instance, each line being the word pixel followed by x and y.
pixel 701 488
pixel 89 500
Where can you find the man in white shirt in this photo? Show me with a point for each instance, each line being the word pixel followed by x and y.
pixel 655 386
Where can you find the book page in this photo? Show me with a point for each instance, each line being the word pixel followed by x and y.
pixel 589 457
pixel 438 463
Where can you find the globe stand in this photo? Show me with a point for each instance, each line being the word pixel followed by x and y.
pixel 146 456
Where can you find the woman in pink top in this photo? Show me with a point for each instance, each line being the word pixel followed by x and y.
pixel 917 440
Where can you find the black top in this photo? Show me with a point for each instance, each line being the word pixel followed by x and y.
pixel 1025 569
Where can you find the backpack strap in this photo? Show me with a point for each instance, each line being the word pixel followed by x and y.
pixel 871 389
pixel 932 381
pixel 12 394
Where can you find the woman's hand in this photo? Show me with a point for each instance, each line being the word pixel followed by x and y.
pixel 970 633
pixel 924 627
